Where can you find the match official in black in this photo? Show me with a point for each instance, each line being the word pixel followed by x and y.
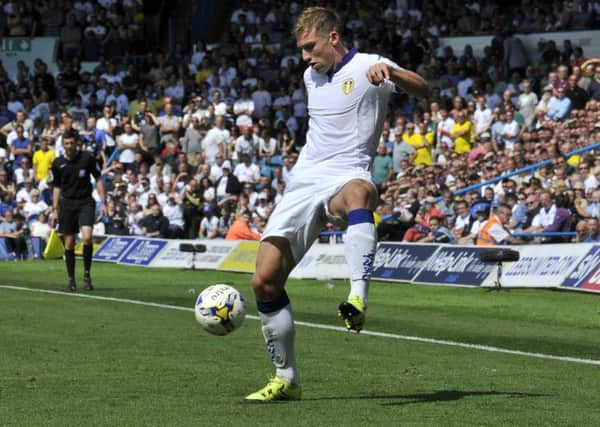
pixel 74 205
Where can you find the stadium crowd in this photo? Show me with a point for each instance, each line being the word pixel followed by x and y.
pixel 201 143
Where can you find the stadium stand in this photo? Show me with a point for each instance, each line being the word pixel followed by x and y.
pixel 212 131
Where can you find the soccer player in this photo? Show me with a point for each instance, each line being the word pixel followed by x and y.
pixel 73 203
pixel 348 93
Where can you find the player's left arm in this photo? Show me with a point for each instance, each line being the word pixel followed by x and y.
pixel 96 173
pixel 407 80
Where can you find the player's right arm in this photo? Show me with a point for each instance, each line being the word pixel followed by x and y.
pixel 56 178
pixel 55 199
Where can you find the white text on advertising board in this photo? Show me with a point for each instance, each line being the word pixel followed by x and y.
pixel 585 266
pixel 460 262
pixel 143 252
pixel 394 258
pixel 541 266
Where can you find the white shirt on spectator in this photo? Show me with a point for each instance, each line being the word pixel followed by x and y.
pixel 23 196
pixel 446 125
pixel 214 139
pixel 545 217
pixel 591 182
pixel 36 208
pixel 128 154
pixel 104 125
pixel 242 105
pixel 39 229
pixel 512 129
pixel 209 225
pixel 527 103
pixel 483 120
pixel 174 214
pixel 216 172
pixel 20 175
pixel 244 146
pixel 245 173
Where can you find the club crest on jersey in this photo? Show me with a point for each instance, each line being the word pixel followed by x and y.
pixel 81 173
pixel 348 86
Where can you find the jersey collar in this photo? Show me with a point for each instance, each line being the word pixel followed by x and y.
pixel 346 58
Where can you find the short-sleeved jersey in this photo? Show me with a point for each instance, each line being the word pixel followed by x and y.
pixel 346 114
pixel 73 176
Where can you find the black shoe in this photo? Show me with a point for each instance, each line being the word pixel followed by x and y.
pixel 87 283
pixel 71 287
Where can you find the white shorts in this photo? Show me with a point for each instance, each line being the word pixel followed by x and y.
pixel 302 212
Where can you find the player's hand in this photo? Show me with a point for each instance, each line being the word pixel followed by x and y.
pixel 378 73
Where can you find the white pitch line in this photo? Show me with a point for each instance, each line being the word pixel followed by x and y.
pixel 332 328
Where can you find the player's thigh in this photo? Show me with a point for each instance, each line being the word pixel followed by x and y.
pixel 86 213
pixel 356 194
pixel 274 262
pixel 68 218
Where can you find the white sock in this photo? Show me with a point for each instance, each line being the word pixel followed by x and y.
pixel 361 243
pixel 279 332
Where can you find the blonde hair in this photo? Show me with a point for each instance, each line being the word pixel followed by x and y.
pixel 320 19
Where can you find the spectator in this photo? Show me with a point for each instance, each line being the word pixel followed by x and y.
pixel 12 232
pixel 494 231
pixel 155 224
pixel 437 233
pixel 559 106
pixel 209 227
pixel 35 207
pixel 592 230
pixel 42 161
pixel 462 134
pixel 240 229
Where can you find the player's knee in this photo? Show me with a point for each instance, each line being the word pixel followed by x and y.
pixel 360 195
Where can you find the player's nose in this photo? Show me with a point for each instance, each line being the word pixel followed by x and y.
pixel 305 56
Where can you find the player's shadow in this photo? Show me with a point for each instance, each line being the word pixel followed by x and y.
pixel 432 397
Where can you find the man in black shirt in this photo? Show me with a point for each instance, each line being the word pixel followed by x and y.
pixel 73 203
pixel 155 224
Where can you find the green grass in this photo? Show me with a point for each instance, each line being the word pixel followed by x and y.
pixel 73 361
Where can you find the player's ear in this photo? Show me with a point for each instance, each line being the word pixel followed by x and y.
pixel 334 38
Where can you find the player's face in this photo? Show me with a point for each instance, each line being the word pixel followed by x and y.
pixel 317 49
pixel 69 146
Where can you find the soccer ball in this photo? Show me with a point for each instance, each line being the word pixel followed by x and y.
pixel 220 309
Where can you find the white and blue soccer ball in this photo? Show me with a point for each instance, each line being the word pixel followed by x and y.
pixel 220 309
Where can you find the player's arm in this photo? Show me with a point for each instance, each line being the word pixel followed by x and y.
pixel 55 200
pixel 407 80
pixel 102 193
pixel 97 174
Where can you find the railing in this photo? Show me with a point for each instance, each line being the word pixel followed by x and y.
pixel 526 169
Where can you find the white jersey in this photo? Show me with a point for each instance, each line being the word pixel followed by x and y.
pixel 346 114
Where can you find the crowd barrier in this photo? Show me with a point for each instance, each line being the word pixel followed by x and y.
pixel 566 266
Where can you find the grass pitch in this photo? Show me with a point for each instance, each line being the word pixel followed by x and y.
pixel 73 361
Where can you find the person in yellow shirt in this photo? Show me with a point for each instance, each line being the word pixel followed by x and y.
pixel 419 143
pixel 42 161
pixel 462 133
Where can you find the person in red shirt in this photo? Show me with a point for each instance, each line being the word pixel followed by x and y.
pixel 421 227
